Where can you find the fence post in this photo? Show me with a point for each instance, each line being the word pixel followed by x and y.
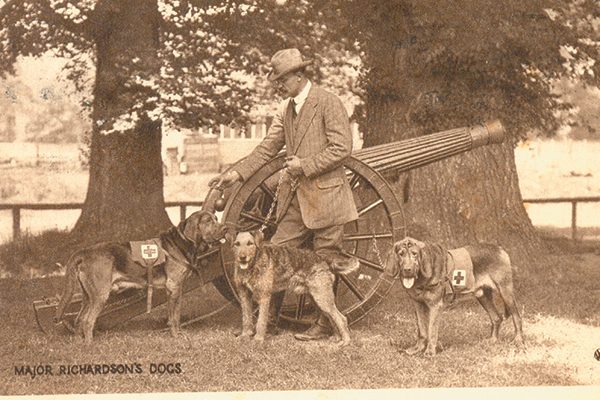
pixel 16 214
pixel 574 220
pixel 182 213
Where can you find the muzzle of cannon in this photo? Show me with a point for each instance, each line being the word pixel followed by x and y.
pixel 369 239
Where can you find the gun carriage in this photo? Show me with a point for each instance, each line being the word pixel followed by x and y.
pixel 246 206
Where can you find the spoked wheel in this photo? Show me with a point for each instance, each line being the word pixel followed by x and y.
pixel 380 224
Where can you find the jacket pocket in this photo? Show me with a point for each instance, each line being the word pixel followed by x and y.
pixel 329 183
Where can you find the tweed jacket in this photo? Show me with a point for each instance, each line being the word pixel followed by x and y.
pixel 320 136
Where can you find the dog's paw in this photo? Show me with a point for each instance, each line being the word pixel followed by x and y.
pixel 259 339
pixel 245 335
pixel 411 351
pixel 518 341
pixel 416 349
pixel 430 351
pixel 491 340
pixel 335 338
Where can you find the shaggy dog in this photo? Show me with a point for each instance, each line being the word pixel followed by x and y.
pixel 263 269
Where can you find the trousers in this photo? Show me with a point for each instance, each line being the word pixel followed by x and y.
pixel 291 231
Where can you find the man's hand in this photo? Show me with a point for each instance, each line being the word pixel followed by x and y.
pixel 224 180
pixel 293 166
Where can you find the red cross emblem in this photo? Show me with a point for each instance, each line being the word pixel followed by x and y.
pixel 149 251
pixel 459 277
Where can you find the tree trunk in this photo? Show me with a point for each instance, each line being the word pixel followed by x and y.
pixel 461 200
pixel 125 192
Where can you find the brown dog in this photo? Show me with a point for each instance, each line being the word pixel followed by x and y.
pixel 423 269
pixel 263 269
pixel 106 267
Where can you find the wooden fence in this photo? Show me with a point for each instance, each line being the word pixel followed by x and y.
pixel 17 207
pixel 573 201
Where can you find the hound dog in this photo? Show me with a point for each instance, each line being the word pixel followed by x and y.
pixel 109 266
pixel 423 269
pixel 262 269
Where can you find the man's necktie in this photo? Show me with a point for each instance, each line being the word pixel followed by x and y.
pixel 294 114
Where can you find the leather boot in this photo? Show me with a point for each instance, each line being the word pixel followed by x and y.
pixel 320 329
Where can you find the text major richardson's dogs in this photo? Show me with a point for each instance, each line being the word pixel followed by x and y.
pixel 106 267
pixel 262 269
pixel 423 270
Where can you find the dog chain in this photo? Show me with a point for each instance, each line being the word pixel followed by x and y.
pixel 376 249
pixel 270 213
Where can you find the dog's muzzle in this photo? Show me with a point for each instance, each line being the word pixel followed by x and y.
pixel 243 265
pixel 408 276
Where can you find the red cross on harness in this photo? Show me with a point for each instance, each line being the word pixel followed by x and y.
pixel 150 252
pixel 458 278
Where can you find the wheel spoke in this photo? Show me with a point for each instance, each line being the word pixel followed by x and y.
pixel 354 181
pixel 353 288
pixel 268 191
pixel 256 218
pixel 366 236
pixel 366 262
pixel 371 206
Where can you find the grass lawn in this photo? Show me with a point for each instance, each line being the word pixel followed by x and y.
pixel 559 301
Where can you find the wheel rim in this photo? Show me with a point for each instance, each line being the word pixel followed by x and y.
pixel 380 217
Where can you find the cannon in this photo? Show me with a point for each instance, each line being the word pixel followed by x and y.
pixel 369 238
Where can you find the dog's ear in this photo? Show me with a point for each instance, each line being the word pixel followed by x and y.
pixel 230 235
pixel 191 227
pixel 429 261
pixel 391 262
pixel 258 236
pixel 425 259
pixel 397 246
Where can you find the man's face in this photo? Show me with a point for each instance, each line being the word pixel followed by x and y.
pixel 289 85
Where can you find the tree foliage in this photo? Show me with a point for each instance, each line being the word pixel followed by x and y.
pixel 471 60
pixel 210 52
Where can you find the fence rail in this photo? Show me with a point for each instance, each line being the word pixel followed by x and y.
pixel 17 207
pixel 573 201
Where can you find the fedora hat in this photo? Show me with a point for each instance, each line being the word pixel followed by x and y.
pixel 285 61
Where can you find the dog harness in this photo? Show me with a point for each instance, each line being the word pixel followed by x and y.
pixel 459 273
pixel 148 253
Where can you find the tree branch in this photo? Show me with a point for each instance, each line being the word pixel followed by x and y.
pixel 83 29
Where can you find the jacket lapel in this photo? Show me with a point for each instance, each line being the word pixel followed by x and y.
pixel 307 113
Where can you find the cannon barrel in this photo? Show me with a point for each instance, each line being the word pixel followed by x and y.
pixel 412 153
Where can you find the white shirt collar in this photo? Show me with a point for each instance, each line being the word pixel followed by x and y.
pixel 301 97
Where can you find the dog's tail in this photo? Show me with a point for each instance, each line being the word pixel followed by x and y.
pixel 71 282
pixel 345 266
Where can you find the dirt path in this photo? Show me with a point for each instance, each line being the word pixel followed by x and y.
pixel 562 343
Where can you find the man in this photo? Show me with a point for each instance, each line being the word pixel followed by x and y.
pixel 313 125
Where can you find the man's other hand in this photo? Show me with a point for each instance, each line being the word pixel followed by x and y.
pixel 224 180
pixel 293 165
